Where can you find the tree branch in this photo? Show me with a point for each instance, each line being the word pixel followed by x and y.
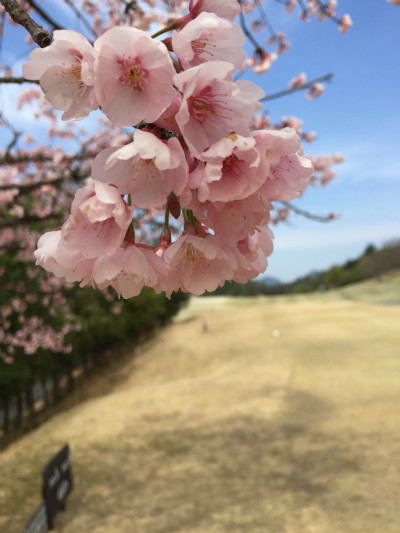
pixel 8 159
pixel 258 48
pixel 74 175
pixel 28 219
pixel 307 214
pixel 13 79
pixel 20 16
pixel 27 187
pixel 307 85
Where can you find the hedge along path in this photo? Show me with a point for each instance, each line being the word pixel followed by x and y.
pixel 248 415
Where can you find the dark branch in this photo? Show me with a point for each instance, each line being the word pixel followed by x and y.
pixel 13 79
pixel 27 187
pixel 38 158
pixel 258 48
pixel 265 19
pixel 72 176
pixel 325 11
pixel 13 142
pixel 8 125
pixel 285 92
pixel 28 219
pixel 307 214
pixel 20 16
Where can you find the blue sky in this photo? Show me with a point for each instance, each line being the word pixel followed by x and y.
pixel 357 116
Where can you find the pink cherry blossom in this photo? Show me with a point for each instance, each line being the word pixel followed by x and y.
pixel 98 222
pixel 213 105
pixel 345 23
pixel 65 71
pixel 209 38
pixel 53 256
pixel 290 171
pixel 167 119
pixel 133 76
pixel 261 61
pixel 231 170
pixel 227 9
pixel 200 262
pixel 252 254
pixel 128 270
pixel 298 81
pixel 315 91
pixel 231 221
pixel 148 168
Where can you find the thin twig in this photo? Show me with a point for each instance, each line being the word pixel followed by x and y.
pixel 326 12
pixel 307 85
pixel 13 142
pixel 265 19
pixel 258 48
pixel 20 16
pixel 26 158
pixel 7 123
pixel 307 214
pixel 81 17
pixel 44 15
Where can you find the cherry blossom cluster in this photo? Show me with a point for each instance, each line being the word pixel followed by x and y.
pixel 35 314
pixel 193 156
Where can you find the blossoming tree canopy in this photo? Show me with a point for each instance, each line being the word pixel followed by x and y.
pixel 192 154
pixel 209 161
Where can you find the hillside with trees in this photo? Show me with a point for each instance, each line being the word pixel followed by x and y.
pixel 372 263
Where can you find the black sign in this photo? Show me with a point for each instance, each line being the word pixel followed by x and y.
pixel 57 483
pixel 38 521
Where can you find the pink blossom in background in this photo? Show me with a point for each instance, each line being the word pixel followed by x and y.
pixel 213 105
pixel 209 38
pixel 133 76
pixel 316 90
pixel 298 81
pixel 148 168
pixel 227 9
pixel 290 5
pixel 262 61
pixel 65 71
pixel 345 23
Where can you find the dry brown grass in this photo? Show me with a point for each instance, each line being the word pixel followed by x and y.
pixel 234 429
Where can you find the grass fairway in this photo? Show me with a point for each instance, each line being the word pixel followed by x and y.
pixel 277 415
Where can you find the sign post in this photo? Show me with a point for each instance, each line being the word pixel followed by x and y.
pixel 57 483
pixel 38 521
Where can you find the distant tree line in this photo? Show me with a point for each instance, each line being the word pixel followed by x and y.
pixel 372 263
